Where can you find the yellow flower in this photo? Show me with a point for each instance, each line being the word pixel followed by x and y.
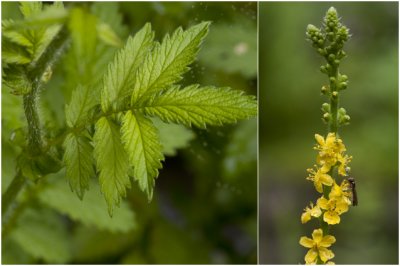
pixel 313 211
pixel 330 149
pixel 334 208
pixel 342 192
pixel 343 162
pixel 319 177
pixel 318 246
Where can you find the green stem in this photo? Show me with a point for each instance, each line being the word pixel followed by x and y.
pixel 35 71
pixel 35 141
pixel 332 128
pixel 334 101
pixel 12 192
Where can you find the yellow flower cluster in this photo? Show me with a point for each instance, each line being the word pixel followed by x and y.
pixel 331 153
pixel 318 247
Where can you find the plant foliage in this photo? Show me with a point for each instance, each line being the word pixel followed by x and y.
pixel 140 82
pixel 112 103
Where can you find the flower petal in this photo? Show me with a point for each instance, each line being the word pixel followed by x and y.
pixel 316 212
pixel 336 191
pixel 322 203
pixel 320 139
pixel 326 167
pixel 318 186
pixel 326 179
pixel 306 242
pixel 325 254
pixel 327 241
pixel 331 217
pixel 317 235
pixel 342 207
pixel 305 217
pixel 311 256
pixel 330 140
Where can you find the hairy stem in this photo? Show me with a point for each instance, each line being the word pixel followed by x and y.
pixel 35 143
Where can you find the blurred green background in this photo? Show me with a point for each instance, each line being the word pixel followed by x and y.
pixel 290 115
pixel 205 202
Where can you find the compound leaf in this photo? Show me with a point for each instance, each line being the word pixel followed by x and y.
pixel 79 161
pixel 112 162
pixel 201 106
pixel 121 72
pixel 140 138
pixel 169 60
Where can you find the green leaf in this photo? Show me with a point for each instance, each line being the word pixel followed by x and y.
pixel 84 38
pixel 79 161
pixel 121 73
pixel 17 37
pixel 89 57
pixel 82 101
pixel 107 35
pixel 38 19
pixel 201 105
pixel 141 142
pixel 172 136
pixel 108 12
pixel 11 253
pixel 92 246
pixel 30 8
pixel 13 54
pixel 38 28
pixel 16 78
pixel 41 233
pixel 112 162
pixel 82 27
pixel 91 211
pixel 169 60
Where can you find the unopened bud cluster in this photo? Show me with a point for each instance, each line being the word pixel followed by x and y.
pixel 329 42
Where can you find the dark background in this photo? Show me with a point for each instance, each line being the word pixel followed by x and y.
pixel 290 115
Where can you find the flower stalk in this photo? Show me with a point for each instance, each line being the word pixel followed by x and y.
pixel 331 170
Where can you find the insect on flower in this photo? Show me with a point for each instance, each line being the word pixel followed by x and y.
pixel 352 183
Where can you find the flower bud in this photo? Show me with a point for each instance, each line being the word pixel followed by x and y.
pixel 344 119
pixel 324 90
pixel 332 79
pixel 335 94
pixel 343 78
pixel 326 117
pixel 326 107
pixel 311 29
pixel 342 111
pixel 342 85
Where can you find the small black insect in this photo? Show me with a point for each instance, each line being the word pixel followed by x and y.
pixel 352 183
